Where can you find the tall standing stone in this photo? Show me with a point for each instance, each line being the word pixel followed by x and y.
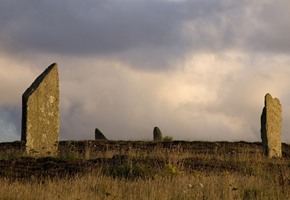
pixel 40 114
pixel 157 135
pixel 271 127
pixel 99 135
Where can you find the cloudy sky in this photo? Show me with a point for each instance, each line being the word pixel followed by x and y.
pixel 199 70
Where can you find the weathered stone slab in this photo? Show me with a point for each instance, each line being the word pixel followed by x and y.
pixel 40 114
pixel 157 135
pixel 99 135
pixel 271 127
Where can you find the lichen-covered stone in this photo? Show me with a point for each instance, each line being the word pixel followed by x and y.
pixel 157 135
pixel 40 114
pixel 271 127
pixel 99 135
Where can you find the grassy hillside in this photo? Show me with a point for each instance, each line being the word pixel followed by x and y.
pixel 145 170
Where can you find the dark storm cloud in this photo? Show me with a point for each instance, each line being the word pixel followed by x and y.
pixel 141 33
pixel 272 28
pixel 91 27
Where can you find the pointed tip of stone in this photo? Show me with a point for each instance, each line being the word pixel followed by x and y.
pixel 39 79
pixel 268 97
pixel 53 65
pixel 99 135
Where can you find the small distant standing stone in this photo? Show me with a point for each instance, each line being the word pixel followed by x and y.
pixel 271 127
pixel 99 135
pixel 157 135
pixel 40 114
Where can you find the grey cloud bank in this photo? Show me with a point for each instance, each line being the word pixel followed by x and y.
pixel 197 69
pixel 140 30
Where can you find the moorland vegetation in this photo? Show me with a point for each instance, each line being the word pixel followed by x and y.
pixel 130 170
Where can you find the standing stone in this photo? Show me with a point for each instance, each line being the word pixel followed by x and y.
pixel 40 114
pixel 157 135
pixel 271 127
pixel 99 135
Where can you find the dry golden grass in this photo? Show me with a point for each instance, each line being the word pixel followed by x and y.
pixel 193 186
pixel 226 172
